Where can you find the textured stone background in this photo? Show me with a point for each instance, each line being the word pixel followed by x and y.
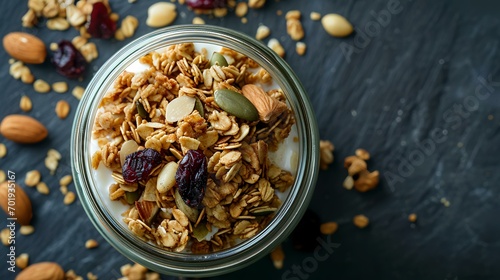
pixel 419 90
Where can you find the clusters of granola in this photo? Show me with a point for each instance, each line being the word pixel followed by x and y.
pixel 240 197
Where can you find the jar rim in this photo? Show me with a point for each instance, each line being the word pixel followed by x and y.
pixel 290 211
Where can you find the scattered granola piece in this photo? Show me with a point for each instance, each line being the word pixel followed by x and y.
pixel 52 160
pixel 161 14
pixel 42 188
pixel 41 86
pixel 66 180
pixel 244 20
pixel 26 230
pixel 128 27
pixel 89 51
pixel 92 276
pixel 300 48
pixel 361 221
pixel 22 260
pixel 357 168
pixel 336 25
pixel 69 198
pixel 3 176
pixel 58 24
pixel 198 20
pixel 63 189
pixel 326 149
pixel 241 9
pixel 62 109
pixel 3 150
pixel 276 46
pixel 412 218
pixel 278 256
pixel 445 202
pixel 315 16
pixel 256 4
pixel 60 87
pixel 348 183
pixel 25 103
pixel 5 236
pixel 91 243
pixel 78 92
pixel 32 178
pixel 362 154
pixel 294 26
pixel 329 228
pixel 262 32
pixel 279 12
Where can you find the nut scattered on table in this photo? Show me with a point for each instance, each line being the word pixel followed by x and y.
pixel 42 270
pixel 329 228
pixel 361 221
pixel 42 188
pixel 276 46
pixel 62 109
pixel 26 230
pixel 359 177
pixel 41 86
pixel 91 243
pixel 241 9
pixel 22 129
pixel 69 198
pixel 138 271
pixel 3 150
pixel 3 176
pixel 25 47
pixel 326 149
pixel 60 87
pixel 127 28
pixel 66 180
pixel 23 211
pixel 336 25
pixel 198 20
pixel 262 32
pixel 256 4
pixel 278 256
pixel 300 48
pixel 293 25
pixel 5 236
pixel 412 218
pixel 52 160
pixel 32 178
pixel 25 103
pixel 22 260
pixel 78 92
pixel 315 16
pixel 161 14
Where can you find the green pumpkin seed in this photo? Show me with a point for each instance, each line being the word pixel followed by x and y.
pixel 218 59
pixel 140 110
pixel 191 213
pixel 131 197
pixel 236 104
pixel 198 106
pixel 200 232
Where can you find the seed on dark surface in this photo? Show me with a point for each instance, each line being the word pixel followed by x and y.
pixel 191 177
pixel 304 236
pixel 206 4
pixel 100 24
pixel 68 61
pixel 139 164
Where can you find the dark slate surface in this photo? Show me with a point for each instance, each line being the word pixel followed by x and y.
pixel 419 90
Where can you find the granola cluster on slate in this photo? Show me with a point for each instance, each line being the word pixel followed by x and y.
pixel 188 141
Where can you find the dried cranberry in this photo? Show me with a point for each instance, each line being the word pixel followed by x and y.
pixel 191 177
pixel 68 60
pixel 305 235
pixel 100 24
pixel 139 164
pixel 206 4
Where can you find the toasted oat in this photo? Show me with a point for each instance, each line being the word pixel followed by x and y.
pixel 25 103
pixel 42 188
pixel 69 198
pixel 26 230
pixel 412 217
pixel 53 46
pixel 3 150
pixel 52 160
pixel 278 256
pixel 78 92
pixel 22 260
pixel 241 9
pixel 60 87
pixel 41 86
pixel 91 243
pixel 326 149
pixel 362 154
pixel 293 14
pixel 5 236
pixel 315 16
pixel 58 24
pixel 63 189
pixel 29 19
pixel 66 180
pixel 16 69
pixel 300 48
pixel 32 178
pixel 26 76
pixel 361 221
pixel 294 28
pixel 262 32
pixel 128 27
pixel 62 109
pixel 329 228
pixel 3 176
pixel 89 51
pixel 276 46
pixel 198 20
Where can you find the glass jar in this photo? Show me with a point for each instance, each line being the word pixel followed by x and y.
pixel 96 204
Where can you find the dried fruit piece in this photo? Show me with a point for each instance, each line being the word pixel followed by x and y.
pixel 236 104
pixel 191 177
pixel 206 4
pixel 179 108
pixel 100 24
pixel 68 60
pixel 139 164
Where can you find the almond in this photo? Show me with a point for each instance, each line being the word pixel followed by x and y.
pixel 20 207
pixel 25 47
pixel 267 106
pixel 22 129
pixel 42 271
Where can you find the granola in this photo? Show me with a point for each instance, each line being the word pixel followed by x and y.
pixel 243 184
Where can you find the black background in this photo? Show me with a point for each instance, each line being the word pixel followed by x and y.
pixel 419 91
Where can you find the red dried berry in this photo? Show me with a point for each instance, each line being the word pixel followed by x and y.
pixel 68 60
pixel 206 4
pixel 100 24
pixel 191 177
pixel 138 165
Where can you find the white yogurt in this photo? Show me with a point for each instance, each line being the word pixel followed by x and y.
pixel 286 157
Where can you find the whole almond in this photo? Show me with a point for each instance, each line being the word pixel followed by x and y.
pixel 21 209
pixel 25 47
pixel 42 271
pixel 22 129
